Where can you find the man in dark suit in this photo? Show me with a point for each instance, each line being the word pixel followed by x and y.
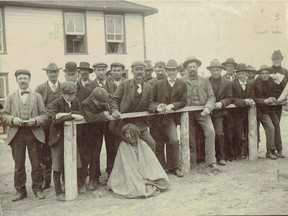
pixel 84 71
pixel 168 94
pixel 148 71
pixel 50 91
pixel 243 94
pixel 159 69
pixel 133 95
pixel 117 69
pixel 24 112
pixel 223 94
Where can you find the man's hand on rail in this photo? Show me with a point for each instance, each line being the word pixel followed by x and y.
pixel 77 117
pixel 249 102
pixel 116 114
pixel 161 108
pixel 218 105
pixel 205 112
pixel 107 115
pixel 60 115
pixel 270 100
pixel 169 108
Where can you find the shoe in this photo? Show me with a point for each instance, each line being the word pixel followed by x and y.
pixel 60 197
pixel 19 196
pixel 93 185
pixel 81 189
pixel 45 185
pixel 279 154
pixel 270 155
pixel 40 195
pixel 222 162
pixel 178 173
pixel 243 157
pixel 214 167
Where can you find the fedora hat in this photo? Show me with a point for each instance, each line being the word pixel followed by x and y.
pixel 160 64
pixel 52 67
pixel 241 67
pixel 229 61
pixel 277 55
pixel 171 64
pixel 85 66
pixel 71 67
pixel 191 59
pixel 148 65
pixel 99 64
pixel 215 64
pixel 252 69
pixel 265 67
pixel 117 64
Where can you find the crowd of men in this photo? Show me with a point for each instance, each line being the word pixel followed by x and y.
pixel 216 134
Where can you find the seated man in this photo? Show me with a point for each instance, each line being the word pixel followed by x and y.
pixel 136 171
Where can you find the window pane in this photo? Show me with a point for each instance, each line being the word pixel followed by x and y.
pixel 110 24
pixel 1 42
pixel 69 22
pixel 0 20
pixel 79 23
pixel 118 24
pixel 110 37
pixel 119 37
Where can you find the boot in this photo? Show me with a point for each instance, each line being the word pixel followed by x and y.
pixel 93 185
pixel 270 155
pixel 279 154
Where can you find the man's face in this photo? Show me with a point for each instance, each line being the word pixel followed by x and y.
pixel 171 73
pixel 97 102
pixel 73 77
pixel 230 68
pixel 69 97
pixel 277 61
pixel 138 72
pixel 52 75
pixel 192 69
pixel 160 72
pixel 182 71
pixel 84 75
pixel 251 75
pixel 264 75
pixel 148 73
pixel 100 72
pixel 216 72
pixel 116 73
pixel 242 75
pixel 23 81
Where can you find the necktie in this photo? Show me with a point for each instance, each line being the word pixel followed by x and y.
pixel 101 84
pixel 24 92
pixel 172 80
pixel 53 87
pixel 139 90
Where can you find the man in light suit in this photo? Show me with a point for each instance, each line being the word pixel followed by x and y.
pixel 24 112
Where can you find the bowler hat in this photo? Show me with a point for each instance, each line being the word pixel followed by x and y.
pixel 117 64
pixel 70 67
pixel 171 64
pixel 52 67
pixel 192 59
pixel 251 69
pixel 229 61
pixel 148 65
pixel 100 94
pixel 277 55
pixel 215 64
pixel 22 71
pixel 160 64
pixel 241 67
pixel 265 67
pixel 69 87
pixel 99 64
pixel 85 66
pixel 137 63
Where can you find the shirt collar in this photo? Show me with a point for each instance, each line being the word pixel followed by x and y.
pixel 51 84
pixel 69 103
pixel 20 90
pixel 243 83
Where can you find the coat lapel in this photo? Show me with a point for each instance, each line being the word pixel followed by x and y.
pixel 175 88
pixel 144 95
pixel 222 86
pixel 131 89
pixel 31 102
pixel 16 102
pixel 165 88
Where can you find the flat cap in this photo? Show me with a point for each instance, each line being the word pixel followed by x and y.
pixel 138 63
pixel 99 64
pixel 160 64
pixel 100 94
pixel 69 87
pixel 22 71
pixel 117 64
pixel 265 67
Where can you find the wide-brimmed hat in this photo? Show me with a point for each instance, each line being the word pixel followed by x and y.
pixel 215 64
pixel 160 64
pixel 229 61
pixel 192 59
pixel 171 64
pixel 70 67
pixel 99 64
pixel 52 67
pixel 148 65
pixel 22 71
pixel 265 67
pixel 251 69
pixel 117 64
pixel 69 87
pixel 277 55
pixel 138 63
pixel 240 67
pixel 100 94
pixel 85 66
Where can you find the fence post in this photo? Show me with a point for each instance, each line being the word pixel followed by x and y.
pixel 184 142
pixel 70 161
pixel 252 136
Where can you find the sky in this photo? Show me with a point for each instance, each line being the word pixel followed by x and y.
pixel 248 31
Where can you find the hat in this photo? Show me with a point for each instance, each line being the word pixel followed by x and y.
pixel 100 94
pixel 117 64
pixel 85 66
pixel 277 54
pixel 229 61
pixel 191 59
pixel 250 68
pixel 160 64
pixel 69 87
pixel 99 64
pixel 137 63
pixel 148 65
pixel 52 67
pixel 215 64
pixel 22 71
pixel 70 67
pixel 265 67
pixel 171 64
pixel 241 67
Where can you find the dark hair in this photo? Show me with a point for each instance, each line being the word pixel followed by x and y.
pixel 134 131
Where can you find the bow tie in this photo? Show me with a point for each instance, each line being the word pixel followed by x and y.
pixel 172 80
pixel 24 92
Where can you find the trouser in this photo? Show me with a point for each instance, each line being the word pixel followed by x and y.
pixel 219 141
pixel 167 134
pixel 57 182
pixel 241 133
pixel 269 129
pixel 25 137
pixel 229 126
pixel 46 159
pixel 146 137
pixel 205 123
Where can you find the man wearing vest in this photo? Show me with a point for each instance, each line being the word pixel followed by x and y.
pixel 84 71
pixel 50 91
pixel 24 112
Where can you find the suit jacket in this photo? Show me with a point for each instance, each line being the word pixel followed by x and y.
pixel 43 90
pixel 36 111
pixel 109 86
pixel 83 92
pixel 152 81
pixel 238 95
pixel 205 90
pixel 225 76
pixel 91 112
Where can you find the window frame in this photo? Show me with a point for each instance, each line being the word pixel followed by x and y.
pixel 2 31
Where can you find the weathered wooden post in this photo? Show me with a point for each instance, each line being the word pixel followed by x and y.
pixel 70 161
pixel 252 130
pixel 184 142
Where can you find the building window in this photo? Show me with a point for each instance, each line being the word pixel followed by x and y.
pixel 2 39
pixel 115 37
pixel 75 34
pixel 3 87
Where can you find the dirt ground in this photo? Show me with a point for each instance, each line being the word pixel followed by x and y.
pixel 243 187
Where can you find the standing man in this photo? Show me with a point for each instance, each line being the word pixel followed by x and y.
pixel 251 72
pixel 168 94
pixel 24 112
pixel 200 93
pixel 117 69
pixel 148 71
pixel 84 71
pixel 182 71
pixel 50 91
pixel 223 94
pixel 230 67
pixel 133 95
pixel 159 69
